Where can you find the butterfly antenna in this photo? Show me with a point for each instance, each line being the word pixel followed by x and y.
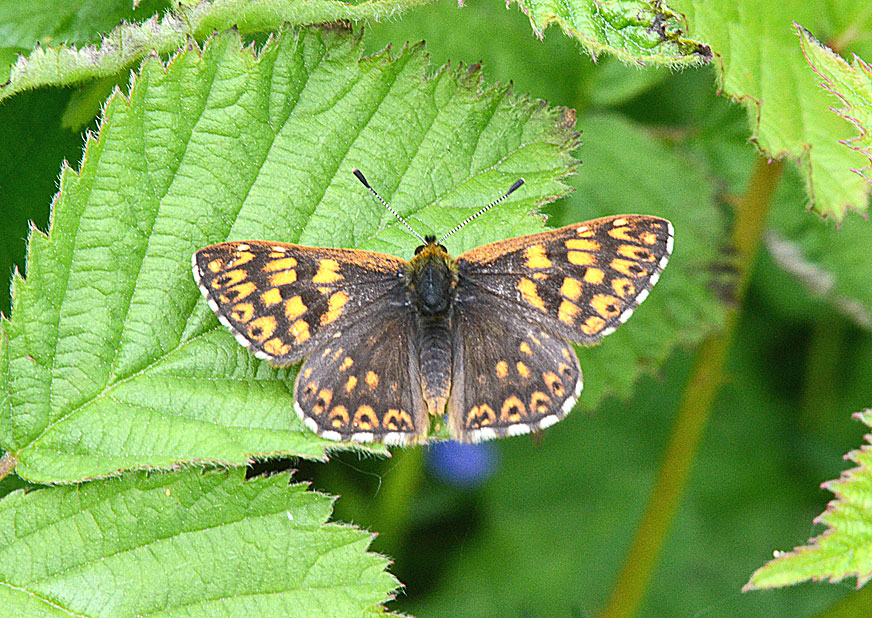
pixel 361 178
pixel 511 190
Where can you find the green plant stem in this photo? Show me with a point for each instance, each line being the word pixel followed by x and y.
pixel 705 380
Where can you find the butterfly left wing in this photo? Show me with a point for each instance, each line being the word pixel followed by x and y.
pixel 282 301
pixel 581 281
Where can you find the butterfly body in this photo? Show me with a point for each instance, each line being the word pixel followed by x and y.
pixel 483 339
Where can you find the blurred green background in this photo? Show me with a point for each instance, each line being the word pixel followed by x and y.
pixel 541 527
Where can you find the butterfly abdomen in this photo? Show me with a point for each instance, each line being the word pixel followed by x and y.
pixel 431 281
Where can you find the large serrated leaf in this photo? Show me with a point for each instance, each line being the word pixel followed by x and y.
pixel 184 544
pixel 636 31
pixel 113 360
pixel 843 549
pixel 761 64
pixel 62 65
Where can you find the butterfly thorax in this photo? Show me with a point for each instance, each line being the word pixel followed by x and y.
pixel 431 278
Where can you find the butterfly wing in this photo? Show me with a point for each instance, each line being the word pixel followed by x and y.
pixel 581 281
pixel 366 386
pixel 511 375
pixel 282 301
pixel 347 310
pixel 519 300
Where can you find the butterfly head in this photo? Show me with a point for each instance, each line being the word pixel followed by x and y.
pixel 431 277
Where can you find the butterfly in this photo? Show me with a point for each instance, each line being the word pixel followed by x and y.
pixel 482 339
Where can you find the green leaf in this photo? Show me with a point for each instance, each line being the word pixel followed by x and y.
pixel 843 549
pixel 685 305
pixel 113 360
pixel 851 83
pixel 761 65
pixel 184 544
pixel 126 44
pixel 636 31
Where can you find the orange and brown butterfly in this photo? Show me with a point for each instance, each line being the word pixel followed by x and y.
pixel 483 339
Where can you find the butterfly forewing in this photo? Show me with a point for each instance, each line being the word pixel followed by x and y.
pixel 283 301
pixel 581 281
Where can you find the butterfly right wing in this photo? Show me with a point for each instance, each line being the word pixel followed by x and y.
pixel 581 281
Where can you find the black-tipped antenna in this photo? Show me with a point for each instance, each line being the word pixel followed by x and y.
pixel 360 177
pixel 511 190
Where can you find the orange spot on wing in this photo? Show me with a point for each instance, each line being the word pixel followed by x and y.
pixel 554 384
pixel 594 275
pixel 242 312
pixel 262 328
pixel 480 416
pixel 540 402
pixel 523 370
pixel 536 257
pixel 606 305
pixel 365 419
pixel 276 347
pixel 346 363
pixel 334 307
pixel 231 277
pixel 294 307
pixel 623 287
pixel 571 288
pixel 350 384
pixel 582 244
pixel 640 254
pixel 237 292
pixel 328 272
pixel 216 265
pixel 240 258
pixel 567 311
pixel 580 258
pixel 593 325
pixel 649 238
pixel 271 297
pixel 338 417
pixel 530 294
pixel 285 277
pixel 280 264
pixel 371 379
pixel 513 409
pixel 502 369
pixel 628 267
pixel 397 420
pixel 525 348
pixel 300 331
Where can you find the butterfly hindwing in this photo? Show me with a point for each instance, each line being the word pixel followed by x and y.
pixel 365 385
pixel 511 376
pixel 581 281
pixel 282 300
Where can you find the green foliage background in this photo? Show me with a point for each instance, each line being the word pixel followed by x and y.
pixel 552 532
